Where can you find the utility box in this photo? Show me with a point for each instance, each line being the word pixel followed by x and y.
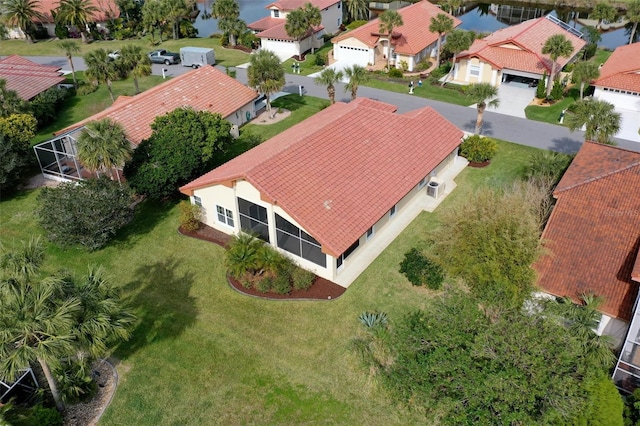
pixel 197 57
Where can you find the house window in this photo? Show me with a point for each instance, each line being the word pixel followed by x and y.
pixel 474 70
pixel 296 241
pixel 370 232
pixel 253 219
pixel 340 259
pixel 339 4
pixel 276 13
pixel 225 215
pixel 197 201
pixel 392 211
pixel 339 19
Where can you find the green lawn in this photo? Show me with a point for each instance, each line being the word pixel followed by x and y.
pixel 437 93
pixel 204 354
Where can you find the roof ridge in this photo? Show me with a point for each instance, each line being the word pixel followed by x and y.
pixel 603 176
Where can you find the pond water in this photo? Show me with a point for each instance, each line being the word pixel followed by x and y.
pixel 479 17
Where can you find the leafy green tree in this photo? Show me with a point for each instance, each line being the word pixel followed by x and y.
pixel 135 62
pixel 556 46
pixel 329 77
pixel 184 144
pixel 266 74
pixel 16 132
pixel 583 73
pixel 22 14
pixel 227 12
pixel 356 9
pixel 10 102
pixel 19 129
pixel 389 20
pixel 603 12
pixel 633 16
pixel 100 69
pixel 70 47
pixel 357 75
pixel 78 13
pixel 46 105
pixel 457 41
pixel 440 24
pixel 604 406
pixel 483 95
pixel 87 213
pixel 599 118
pixel 103 146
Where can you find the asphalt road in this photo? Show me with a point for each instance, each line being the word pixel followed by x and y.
pixel 501 126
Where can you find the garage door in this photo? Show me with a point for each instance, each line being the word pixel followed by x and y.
pixel 622 100
pixel 353 55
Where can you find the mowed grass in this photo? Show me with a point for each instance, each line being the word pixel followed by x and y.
pixel 204 354
pixel 428 91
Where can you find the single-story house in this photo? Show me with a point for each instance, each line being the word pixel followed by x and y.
pixel 515 53
pixel 27 78
pixel 274 37
pixel 593 243
pixel 203 89
pixel 410 42
pixel 332 191
pixel 107 10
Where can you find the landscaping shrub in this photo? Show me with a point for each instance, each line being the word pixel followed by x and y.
pixel 281 283
pixel 557 91
pixel 423 65
pixel 441 71
pixel 302 279
pixel 355 24
pixel 265 285
pixel 321 59
pixel 248 39
pixel 420 271
pixel 85 89
pixel 190 216
pixel 74 381
pixel 46 105
pixel 547 164
pixel 46 416
pixel 541 90
pixel 395 73
pixel 478 149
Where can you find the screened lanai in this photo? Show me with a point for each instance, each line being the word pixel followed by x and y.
pixel 58 157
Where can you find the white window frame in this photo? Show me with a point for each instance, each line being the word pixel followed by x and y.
pixel 371 232
pixel 197 201
pixel 474 68
pixel 226 215
pixel 392 211
pixel 276 13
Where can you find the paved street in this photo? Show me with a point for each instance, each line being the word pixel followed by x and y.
pixel 501 126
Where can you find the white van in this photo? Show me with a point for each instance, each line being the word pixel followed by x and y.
pixel 197 57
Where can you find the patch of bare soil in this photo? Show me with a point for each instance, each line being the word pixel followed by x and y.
pixel 273 117
pixel 88 413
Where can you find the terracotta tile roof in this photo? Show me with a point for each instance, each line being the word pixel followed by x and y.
pixel 338 172
pixel 635 274
pixel 280 33
pixel 204 89
pixel 593 234
pixel 528 38
pixel 106 9
pixel 622 69
pixel 265 23
pixel 414 34
pixel 286 5
pixel 27 78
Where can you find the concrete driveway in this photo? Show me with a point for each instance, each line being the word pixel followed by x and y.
pixel 514 98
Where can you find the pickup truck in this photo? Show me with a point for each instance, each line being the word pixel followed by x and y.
pixel 164 57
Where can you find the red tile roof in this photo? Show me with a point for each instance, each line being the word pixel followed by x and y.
pixel 622 69
pixel 27 78
pixel 204 89
pixel 414 34
pixel 107 9
pixel 528 38
pixel 286 5
pixel 593 234
pixel 338 172
pixel 279 32
pixel 265 23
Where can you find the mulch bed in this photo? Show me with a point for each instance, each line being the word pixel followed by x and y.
pixel 321 289
pixel 479 165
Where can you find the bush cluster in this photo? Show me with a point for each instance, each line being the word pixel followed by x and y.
pixel 395 73
pixel 46 105
pixel 478 149
pixel 420 270
pixel 190 216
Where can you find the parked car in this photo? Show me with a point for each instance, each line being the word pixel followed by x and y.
pixel 163 57
pixel 114 55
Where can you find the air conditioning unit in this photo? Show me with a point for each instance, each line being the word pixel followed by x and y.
pixel 435 188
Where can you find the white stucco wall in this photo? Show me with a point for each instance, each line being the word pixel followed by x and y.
pixel 240 117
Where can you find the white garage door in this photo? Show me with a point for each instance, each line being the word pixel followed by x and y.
pixel 353 55
pixel 622 100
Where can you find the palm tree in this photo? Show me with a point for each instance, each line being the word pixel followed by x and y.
pixel 21 14
pixel 584 72
pixel 135 62
pixel 457 41
pixel 153 17
pixel 453 5
pixel 235 28
pixel 633 16
pixel 599 118
pixel 602 12
pixel 70 47
pixel 175 11
pixel 357 75
pixel 77 13
pixel 103 146
pixel 556 46
pixel 34 314
pixel 300 22
pixel 389 19
pixel 440 24
pixel 100 69
pixel 482 94
pixel 243 255
pixel 313 17
pixel 227 12
pixel 266 74
pixel 356 9
pixel 328 77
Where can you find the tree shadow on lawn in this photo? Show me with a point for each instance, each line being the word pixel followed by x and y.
pixel 149 213
pixel 291 102
pixel 162 301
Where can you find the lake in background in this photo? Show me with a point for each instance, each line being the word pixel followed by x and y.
pixel 480 17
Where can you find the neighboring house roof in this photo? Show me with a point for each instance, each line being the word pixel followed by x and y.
pixel 286 5
pixel 519 47
pixel 27 78
pixel 107 9
pixel 622 69
pixel 203 89
pixel 270 27
pixel 593 234
pixel 338 172
pixel 410 38
pixel 279 32
pixel 265 23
